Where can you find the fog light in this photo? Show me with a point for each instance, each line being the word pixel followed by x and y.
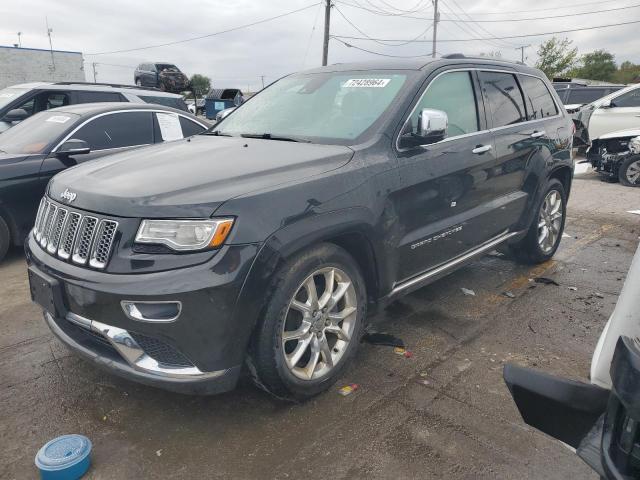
pixel 152 311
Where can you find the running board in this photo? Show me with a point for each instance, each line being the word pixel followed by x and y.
pixel 437 272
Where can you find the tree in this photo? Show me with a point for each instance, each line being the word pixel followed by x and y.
pixel 556 57
pixel 627 73
pixel 598 65
pixel 200 83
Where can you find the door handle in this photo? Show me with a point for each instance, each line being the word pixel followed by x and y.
pixel 537 134
pixel 481 149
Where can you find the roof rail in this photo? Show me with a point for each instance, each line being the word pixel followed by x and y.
pixel 113 85
pixel 462 55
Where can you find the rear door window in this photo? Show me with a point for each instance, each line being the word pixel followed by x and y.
pixel 92 97
pixel 452 93
pixel 117 130
pixel 190 128
pixel 540 103
pixel 585 95
pixel 502 92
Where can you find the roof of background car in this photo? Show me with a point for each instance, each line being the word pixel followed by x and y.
pixel 95 88
pixel 94 108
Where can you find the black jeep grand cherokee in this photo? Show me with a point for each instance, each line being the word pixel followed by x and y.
pixel 265 241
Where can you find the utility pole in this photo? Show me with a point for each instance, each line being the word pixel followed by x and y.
pixel 19 40
pixel 436 19
pixel 522 51
pixel 94 72
pixel 327 21
pixel 49 31
pixel 262 78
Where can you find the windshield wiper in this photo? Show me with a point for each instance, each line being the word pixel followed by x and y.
pixel 217 133
pixel 268 136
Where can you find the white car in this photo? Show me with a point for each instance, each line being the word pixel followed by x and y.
pixel 617 111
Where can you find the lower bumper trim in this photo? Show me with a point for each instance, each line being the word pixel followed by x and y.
pixel 138 366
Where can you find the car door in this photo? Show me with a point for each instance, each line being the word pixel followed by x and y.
pixel 152 75
pixel 106 134
pixel 447 189
pixel 622 114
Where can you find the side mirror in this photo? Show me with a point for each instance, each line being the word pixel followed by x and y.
pixel 73 147
pixel 432 127
pixel 222 114
pixel 15 115
pixel 607 104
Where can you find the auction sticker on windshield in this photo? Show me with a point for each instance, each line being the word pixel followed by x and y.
pixel 58 119
pixel 366 83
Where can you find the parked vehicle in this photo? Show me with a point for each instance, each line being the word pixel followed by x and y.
pixel 165 76
pixel 49 142
pixel 267 240
pixel 615 112
pixel 616 155
pixel 575 96
pixel 600 419
pixel 21 101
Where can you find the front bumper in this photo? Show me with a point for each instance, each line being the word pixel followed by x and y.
pixel 128 360
pixel 201 351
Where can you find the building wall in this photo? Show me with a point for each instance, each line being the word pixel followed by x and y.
pixel 22 65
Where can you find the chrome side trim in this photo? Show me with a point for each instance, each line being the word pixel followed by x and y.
pixel 480 132
pixel 133 354
pixel 483 248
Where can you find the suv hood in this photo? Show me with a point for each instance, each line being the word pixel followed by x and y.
pixel 191 178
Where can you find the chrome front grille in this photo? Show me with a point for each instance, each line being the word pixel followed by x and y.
pixel 74 235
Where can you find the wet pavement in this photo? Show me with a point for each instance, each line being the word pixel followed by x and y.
pixel 443 413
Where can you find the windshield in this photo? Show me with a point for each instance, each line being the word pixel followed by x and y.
pixel 8 95
pixel 34 134
pixel 327 106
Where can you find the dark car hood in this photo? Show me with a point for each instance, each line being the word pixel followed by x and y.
pixel 6 158
pixel 191 178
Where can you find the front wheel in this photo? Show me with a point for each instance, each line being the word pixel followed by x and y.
pixel 544 234
pixel 629 172
pixel 312 324
pixel 138 82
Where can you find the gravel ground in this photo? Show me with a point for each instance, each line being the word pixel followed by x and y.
pixel 460 423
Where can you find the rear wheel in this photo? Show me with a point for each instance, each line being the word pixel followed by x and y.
pixel 312 324
pixel 545 232
pixel 5 238
pixel 629 172
pixel 138 82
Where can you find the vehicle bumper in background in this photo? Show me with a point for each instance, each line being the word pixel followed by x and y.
pixel 200 351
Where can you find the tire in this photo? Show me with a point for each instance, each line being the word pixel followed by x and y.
pixel 531 249
pixel 138 82
pixel 629 172
pixel 5 238
pixel 286 369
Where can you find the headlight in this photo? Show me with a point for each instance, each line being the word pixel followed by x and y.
pixel 183 235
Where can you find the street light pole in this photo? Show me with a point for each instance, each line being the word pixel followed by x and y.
pixel 436 19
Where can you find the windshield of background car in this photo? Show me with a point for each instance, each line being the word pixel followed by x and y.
pixel 324 107
pixel 8 95
pixel 34 134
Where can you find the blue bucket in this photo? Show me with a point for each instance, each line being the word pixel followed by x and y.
pixel 64 458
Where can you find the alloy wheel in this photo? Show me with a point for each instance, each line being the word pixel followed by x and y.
pixel 319 323
pixel 633 173
pixel 550 221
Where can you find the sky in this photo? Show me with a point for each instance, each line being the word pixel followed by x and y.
pixel 292 43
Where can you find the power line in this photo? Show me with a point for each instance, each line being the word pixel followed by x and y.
pixel 381 43
pixel 378 53
pixel 595 27
pixel 315 22
pixel 240 27
pixel 545 9
pixel 379 12
pixel 508 20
